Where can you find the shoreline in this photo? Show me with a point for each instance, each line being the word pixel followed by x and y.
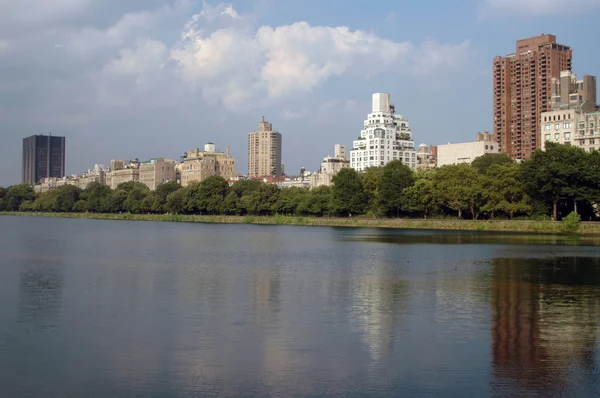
pixel 585 228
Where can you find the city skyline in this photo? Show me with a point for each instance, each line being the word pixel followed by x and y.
pixel 119 79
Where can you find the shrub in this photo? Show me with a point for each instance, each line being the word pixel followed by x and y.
pixel 572 222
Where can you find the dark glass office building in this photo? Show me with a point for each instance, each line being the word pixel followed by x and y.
pixel 43 156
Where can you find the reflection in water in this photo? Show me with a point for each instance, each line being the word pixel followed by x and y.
pixel 544 324
pixel 41 281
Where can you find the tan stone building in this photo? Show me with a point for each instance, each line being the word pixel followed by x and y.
pixel 130 172
pixel 523 90
pixel 264 151
pixel 330 166
pixel 198 165
pixel 157 171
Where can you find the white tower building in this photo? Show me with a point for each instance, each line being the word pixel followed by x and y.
pixel 385 136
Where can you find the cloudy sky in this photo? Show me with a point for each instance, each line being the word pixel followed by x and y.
pixel 154 78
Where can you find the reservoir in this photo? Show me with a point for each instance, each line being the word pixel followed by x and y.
pixel 100 308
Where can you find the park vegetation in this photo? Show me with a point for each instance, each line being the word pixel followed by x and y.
pixel 553 184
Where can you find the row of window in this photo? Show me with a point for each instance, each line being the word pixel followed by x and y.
pixel 548 127
pixel 554 118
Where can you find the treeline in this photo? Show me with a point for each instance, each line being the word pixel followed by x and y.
pixel 553 183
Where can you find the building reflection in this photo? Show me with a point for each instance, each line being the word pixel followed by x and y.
pixel 544 323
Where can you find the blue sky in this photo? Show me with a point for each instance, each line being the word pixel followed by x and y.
pixel 155 78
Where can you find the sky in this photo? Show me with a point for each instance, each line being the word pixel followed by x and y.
pixel 125 79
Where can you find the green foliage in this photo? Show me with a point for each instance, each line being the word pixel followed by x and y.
pixel 211 195
pixel 18 194
pixel 483 163
pixel 371 182
pixel 572 222
pixel 347 195
pixel 3 193
pixel 421 196
pixel 396 177
pixel 505 191
pixel 459 187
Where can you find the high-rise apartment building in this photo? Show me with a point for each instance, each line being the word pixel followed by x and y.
pixel 264 151
pixel 43 157
pixel 523 90
pixel 385 136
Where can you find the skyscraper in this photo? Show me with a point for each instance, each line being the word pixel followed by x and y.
pixel 43 157
pixel 523 90
pixel 264 151
pixel 385 136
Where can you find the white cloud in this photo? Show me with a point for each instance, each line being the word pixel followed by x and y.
pixel 540 7
pixel 237 64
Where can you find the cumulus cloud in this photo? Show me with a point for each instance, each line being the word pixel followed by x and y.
pixel 83 67
pixel 540 7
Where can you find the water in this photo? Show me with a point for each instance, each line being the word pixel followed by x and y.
pixel 111 308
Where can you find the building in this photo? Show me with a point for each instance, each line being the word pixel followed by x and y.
pixel 128 172
pixel 523 90
pixel 197 165
pixel 264 151
pixel 385 136
pixel 573 119
pixel 466 152
pixel 97 174
pixel 330 166
pixel 570 93
pixel 43 157
pixel 425 157
pixel 157 171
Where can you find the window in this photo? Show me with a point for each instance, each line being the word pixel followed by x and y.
pixel 557 136
pixel 547 127
pixel 567 135
pixel 547 137
pixel 557 126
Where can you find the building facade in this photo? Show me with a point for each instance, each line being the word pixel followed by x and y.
pixel 466 152
pixel 573 119
pixel 330 166
pixel 425 157
pixel 197 165
pixel 43 157
pixel 157 171
pixel 128 172
pixel 264 151
pixel 523 90
pixel 385 136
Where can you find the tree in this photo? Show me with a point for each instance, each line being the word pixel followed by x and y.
pixel 66 197
pixel 484 162
pixel 17 194
pixel 290 201
pixel 3 193
pixel 348 195
pixel 318 202
pixel 504 190
pixel 230 205
pixel 371 180
pixel 264 199
pixel 162 192
pixel 175 201
pixel 98 197
pixel 135 198
pixel 243 187
pixel 211 197
pixel 553 175
pixel 459 187
pixel 395 178
pixel 421 195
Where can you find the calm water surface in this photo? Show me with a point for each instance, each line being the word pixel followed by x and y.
pixel 110 308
